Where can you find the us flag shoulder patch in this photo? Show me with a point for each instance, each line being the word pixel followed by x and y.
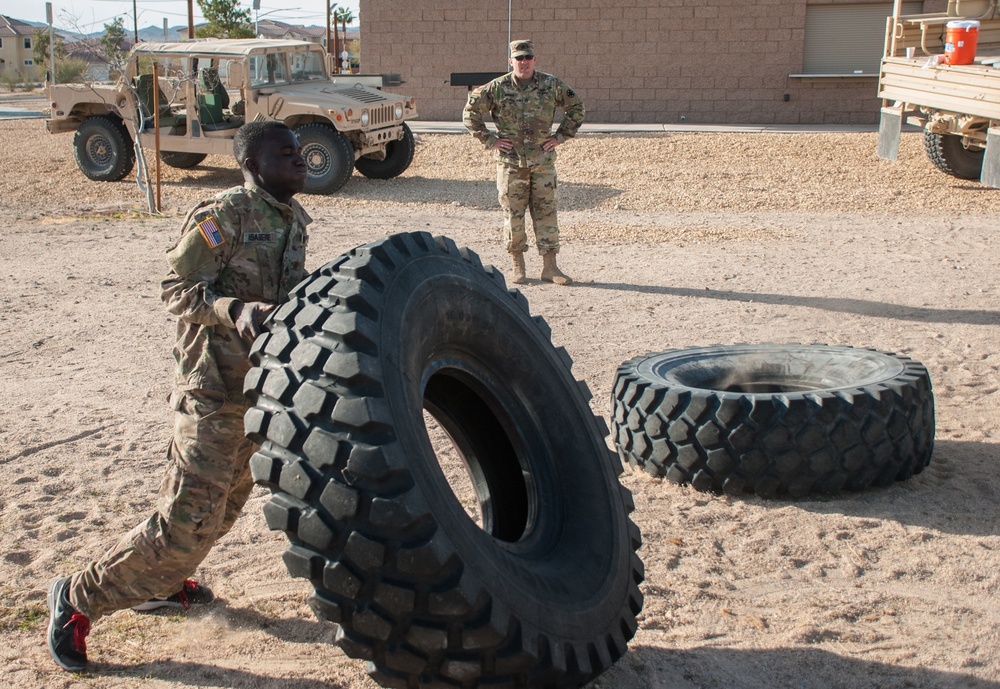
pixel 211 232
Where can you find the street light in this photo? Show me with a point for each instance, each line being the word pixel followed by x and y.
pixel 256 7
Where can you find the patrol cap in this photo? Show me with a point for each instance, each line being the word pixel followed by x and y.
pixel 518 48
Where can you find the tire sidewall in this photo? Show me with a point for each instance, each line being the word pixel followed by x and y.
pixel 336 152
pixel 114 135
pixel 494 343
pixel 948 154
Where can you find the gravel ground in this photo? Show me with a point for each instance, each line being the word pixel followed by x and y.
pixel 676 240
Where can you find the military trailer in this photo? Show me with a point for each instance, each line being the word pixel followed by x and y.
pixel 932 75
pixel 205 89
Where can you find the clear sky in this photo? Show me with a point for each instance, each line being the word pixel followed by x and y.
pixel 87 16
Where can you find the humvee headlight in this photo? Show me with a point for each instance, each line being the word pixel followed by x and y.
pixel 364 118
pixel 398 111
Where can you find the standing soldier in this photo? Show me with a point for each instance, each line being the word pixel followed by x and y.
pixel 238 256
pixel 522 104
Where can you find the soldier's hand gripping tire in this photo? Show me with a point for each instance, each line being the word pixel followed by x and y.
pixel 543 590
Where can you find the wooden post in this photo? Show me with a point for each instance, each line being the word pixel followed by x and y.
pixel 156 130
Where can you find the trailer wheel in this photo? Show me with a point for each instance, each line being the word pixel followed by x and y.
pixel 949 154
pixel 103 149
pixel 536 583
pixel 329 157
pixel 398 156
pixel 181 160
pixel 775 419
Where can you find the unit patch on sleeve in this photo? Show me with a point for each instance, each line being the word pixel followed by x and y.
pixel 211 232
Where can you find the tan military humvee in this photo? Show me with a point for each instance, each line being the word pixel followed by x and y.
pixel 208 88
pixel 958 105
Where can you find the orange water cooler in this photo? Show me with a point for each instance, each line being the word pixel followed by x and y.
pixel 960 39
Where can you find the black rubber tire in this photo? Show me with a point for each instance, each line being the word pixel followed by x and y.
pixel 329 156
pixel 775 419
pixel 545 593
pixel 398 156
pixel 103 149
pixel 181 160
pixel 951 156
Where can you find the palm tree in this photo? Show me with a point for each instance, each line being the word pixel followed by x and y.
pixel 345 16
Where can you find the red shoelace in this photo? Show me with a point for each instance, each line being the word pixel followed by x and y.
pixel 80 631
pixel 182 596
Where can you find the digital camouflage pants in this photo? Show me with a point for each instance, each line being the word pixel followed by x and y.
pixel 531 189
pixel 206 484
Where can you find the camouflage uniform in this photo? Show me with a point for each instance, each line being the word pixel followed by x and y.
pixel 526 176
pixel 245 246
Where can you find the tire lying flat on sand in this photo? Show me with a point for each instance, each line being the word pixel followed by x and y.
pixel 541 589
pixel 775 419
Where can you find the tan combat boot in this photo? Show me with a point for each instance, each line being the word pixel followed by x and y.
pixel 519 277
pixel 551 272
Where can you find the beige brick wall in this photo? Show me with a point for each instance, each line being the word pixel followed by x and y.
pixel 642 61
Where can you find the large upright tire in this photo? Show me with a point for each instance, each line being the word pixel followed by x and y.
pixel 329 157
pixel 775 419
pixel 543 590
pixel 103 149
pixel 950 155
pixel 398 156
pixel 181 160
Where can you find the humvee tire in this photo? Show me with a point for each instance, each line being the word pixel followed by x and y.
pixel 950 155
pixel 775 419
pixel 103 149
pixel 543 589
pixel 329 156
pixel 398 156
pixel 181 160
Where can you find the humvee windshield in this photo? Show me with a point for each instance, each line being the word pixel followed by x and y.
pixel 286 68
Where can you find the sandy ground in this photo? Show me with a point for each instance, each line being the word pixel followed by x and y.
pixel 676 240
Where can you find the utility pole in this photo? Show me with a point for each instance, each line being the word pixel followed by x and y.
pixel 52 44
pixel 329 11
pixel 135 22
pixel 190 19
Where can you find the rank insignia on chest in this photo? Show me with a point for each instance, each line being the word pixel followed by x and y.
pixel 211 232
pixel 258 238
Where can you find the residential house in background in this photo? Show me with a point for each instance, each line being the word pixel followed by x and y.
pixel 16 46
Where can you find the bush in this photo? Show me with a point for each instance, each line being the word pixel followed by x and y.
pixel 10 79
pixel 70 70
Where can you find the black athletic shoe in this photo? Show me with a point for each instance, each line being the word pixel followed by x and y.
pixel 68 629
pixel 191 593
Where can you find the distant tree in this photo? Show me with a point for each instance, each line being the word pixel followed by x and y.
pixel 40 47
pixel 111 41
pixel 225 20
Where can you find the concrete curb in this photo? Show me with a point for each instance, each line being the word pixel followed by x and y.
pixel 434 127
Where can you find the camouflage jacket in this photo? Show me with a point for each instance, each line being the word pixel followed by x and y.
pixel 242 245
pixel 524 115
